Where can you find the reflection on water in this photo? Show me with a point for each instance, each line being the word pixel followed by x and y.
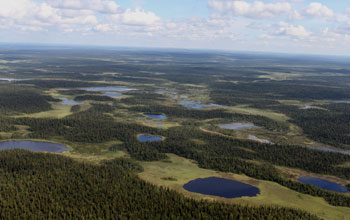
pixel 237 126
pixel 226 188
pixel 69 101
pixel 113 94
pixel 324 184
pixel 148 138
pixel 196 105
pixel 156 117
pixel 255 138
pixel 36 146
pixel 328 150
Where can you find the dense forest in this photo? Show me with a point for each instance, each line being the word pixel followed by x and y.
pixel 47 186
pixel 220 153
pixel 17 99
pixel 246 88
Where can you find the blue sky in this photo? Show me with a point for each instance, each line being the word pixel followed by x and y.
pixel 292 26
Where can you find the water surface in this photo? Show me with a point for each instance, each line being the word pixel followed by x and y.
pixel 255 138
pixel 109 89
pixel 328 150
pixel 237 126
pixel 196 105
pixel 226 188
pixel 148 138
pixel 324 184
pixel 307 107
pixel 12 79
pixel 113 94
pixel 156 117
pixel 36 146
pixel 67 101
pixel 340 102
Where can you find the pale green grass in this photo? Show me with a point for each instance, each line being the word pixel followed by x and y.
pixel 58 111
pixel 182 170
pixel 262 112
pixel 96 158
pixel 95 152
pixel 279 76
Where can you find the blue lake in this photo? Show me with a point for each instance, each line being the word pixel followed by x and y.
pixel 113 94
pixel 69 102
pixel 237 126
pixel 108 89
pixel 324 184
pixel 328 150
pixel 36 146
pixel 148 138
pixel 196 105
pixel 226 188
pixel 157 117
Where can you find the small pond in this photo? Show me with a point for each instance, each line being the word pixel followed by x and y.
pixel 12 79
pixel 108 89
pixel 255 138
pixel 156 117
pixel 340 102
pixel 66 101
pixel 328 150
pixel 148 138
pixel 237 126
pixel 36 146
pixel 226 188
pixel 196 105
pixel 307 107
pixel 113 94
pixel 324 184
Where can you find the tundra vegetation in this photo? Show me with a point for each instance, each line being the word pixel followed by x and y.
pixel 109 174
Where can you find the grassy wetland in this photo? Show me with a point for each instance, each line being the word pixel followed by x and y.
pixel 98 103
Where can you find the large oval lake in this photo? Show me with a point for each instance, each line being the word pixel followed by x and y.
pixel 36 146
pixel 324 184
pixel 226 188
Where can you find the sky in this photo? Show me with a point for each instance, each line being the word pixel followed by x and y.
pixel 288 26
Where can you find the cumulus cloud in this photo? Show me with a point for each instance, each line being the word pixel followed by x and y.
pixel 290 30
pixel 16 9
pixel 103 6
pixel 245 22
pixel 256 9
pixel 316 9
pixel 136 17
pixel 72 15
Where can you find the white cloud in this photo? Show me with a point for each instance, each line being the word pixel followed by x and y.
pixel 316 9
pixel 256 9
pixel 16 9
pixel 103 6
pixel 137 17
pixel 103 27
pixel 293 31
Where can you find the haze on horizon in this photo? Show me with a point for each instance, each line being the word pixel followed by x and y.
pixel 288 26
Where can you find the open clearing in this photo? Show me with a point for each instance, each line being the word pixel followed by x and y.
pixel 180 170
